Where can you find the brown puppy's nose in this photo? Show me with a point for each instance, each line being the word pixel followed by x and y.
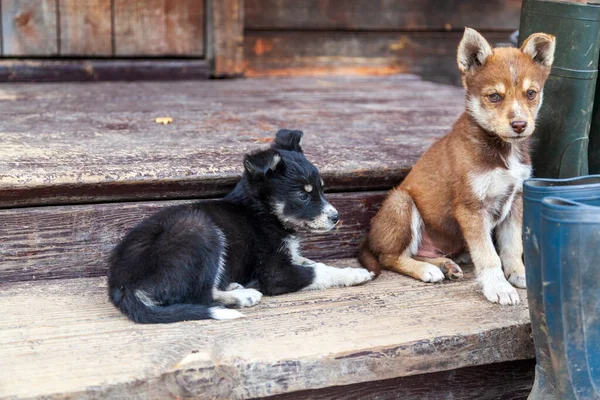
pixel 518 126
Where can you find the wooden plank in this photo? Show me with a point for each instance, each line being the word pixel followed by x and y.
pixel 377 15
pixel 226 37
pixel 65 143
pixel 431 55
pixel 29 28
pixel 35 70
pixel 391 327
pixel 75 241
pixel 85 27
pixel 159 28
pixel 508 380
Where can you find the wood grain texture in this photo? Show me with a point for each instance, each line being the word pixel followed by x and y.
pixel 73 143
pixel 56 70
pixel 226 38
pixel 431 55
pixel 29 28
pixel 75 241
pixel 67 338
pixel 506 381
pixel 374 15
pixel 85 27
pixel 159 28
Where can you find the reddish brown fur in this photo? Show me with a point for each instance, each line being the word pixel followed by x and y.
pixel 441 184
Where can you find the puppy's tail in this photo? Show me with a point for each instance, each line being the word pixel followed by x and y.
pixel 139 310
pixel 367 258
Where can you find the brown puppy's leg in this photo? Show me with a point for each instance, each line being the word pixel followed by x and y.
pixel 477 231
pixel 407 265
pixel 510 244
pixel 450 269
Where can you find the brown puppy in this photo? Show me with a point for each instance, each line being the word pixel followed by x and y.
pixel 468 185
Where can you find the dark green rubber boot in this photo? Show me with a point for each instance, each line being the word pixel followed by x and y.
pixel 594 147
pixel 561 145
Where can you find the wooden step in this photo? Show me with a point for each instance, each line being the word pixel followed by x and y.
pixel 63 339
pixel 78 143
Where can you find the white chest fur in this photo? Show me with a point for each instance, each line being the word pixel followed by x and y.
pixel 496 188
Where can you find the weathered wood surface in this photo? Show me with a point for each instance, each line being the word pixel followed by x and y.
pixel 225 36
pixel 85 27
pixel 507 381
pixel 374 15
pixel 159 27
pixel 75 241
pixel 29 27
pixel 73 143
pixel 19 70
pixel 431 55
pixel 62 339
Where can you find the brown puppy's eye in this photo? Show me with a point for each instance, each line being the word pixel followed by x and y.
pixel 494 97
pixel 531 94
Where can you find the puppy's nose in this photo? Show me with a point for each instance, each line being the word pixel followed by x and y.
pixel 334 218
pixel 518 126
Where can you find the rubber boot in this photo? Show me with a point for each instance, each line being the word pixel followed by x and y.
pixel 571 275
pixel 534 190
pixel 594 146
pixel 561 148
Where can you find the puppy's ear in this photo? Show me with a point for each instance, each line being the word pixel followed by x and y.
pixel 286 139
pixel 540 47
pixel 473 51
pixel 260 163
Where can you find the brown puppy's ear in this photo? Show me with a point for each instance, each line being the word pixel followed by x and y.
pixel 258 164
pixel 473 51
pixel 287 139
pixel 540 47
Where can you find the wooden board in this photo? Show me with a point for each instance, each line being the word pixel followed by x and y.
pixel 159 28
pixel 65 143
pixel 75 241
pixel 509 380
pixel 226 37
pixel 431 55
pixel 375 15
pixel 57 70
pixel 85 27
pixel 29 27
pixel 66 337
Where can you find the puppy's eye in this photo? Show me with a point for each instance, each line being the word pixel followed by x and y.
pixel 531 94
pixel 303 196
pixel 494 97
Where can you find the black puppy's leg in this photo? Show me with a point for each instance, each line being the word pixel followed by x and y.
pixel 326 276
pixel 237 296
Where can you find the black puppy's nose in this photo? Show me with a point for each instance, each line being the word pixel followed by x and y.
pixel 518 126
pixel 334 218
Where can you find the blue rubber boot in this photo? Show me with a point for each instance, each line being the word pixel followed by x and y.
pixel 571 289
pixel 534 190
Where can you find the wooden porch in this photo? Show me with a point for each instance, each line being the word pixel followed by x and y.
pixel 81 163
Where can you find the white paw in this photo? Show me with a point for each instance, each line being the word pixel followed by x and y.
pixel 497 289
pixel 356 276
pixel 246 297
pixel 225 313
pixel 518 280
pixel 233 286
pixel 432 274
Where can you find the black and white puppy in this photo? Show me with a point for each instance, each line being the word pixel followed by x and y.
pixel 187 262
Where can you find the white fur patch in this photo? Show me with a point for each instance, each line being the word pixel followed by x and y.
pixel 292 244
pixel 496 288
pixel 416 227
pixel 481 115
pixel 326 277
pixel 526 84
pixel 238 297
pixel 221 266
pixel 323 222
pixel 224 313
pixel 432 274
pixel 308 188
pixel 145 298
pixel 518 111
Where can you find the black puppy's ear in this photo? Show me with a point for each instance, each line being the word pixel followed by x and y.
pixel 286 139
pixel 259 164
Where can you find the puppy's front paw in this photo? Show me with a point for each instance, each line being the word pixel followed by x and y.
pixel 451 270
pixel 233 286
pixel 515 273
pixel 432 274
pixel 496 289
pixel 356 276
pixel 246 297
pixel 518 280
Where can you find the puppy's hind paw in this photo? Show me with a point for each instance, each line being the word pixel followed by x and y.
pixel 497 289
pixel 233 286
pixel 451 270
pixel 356 276
pixel 246 297
pixel 518 280
pixel 224 313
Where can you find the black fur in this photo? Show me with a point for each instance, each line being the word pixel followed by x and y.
pixel 173 256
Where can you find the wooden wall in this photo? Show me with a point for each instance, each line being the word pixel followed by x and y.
pixel 102 28
pixel 311 37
